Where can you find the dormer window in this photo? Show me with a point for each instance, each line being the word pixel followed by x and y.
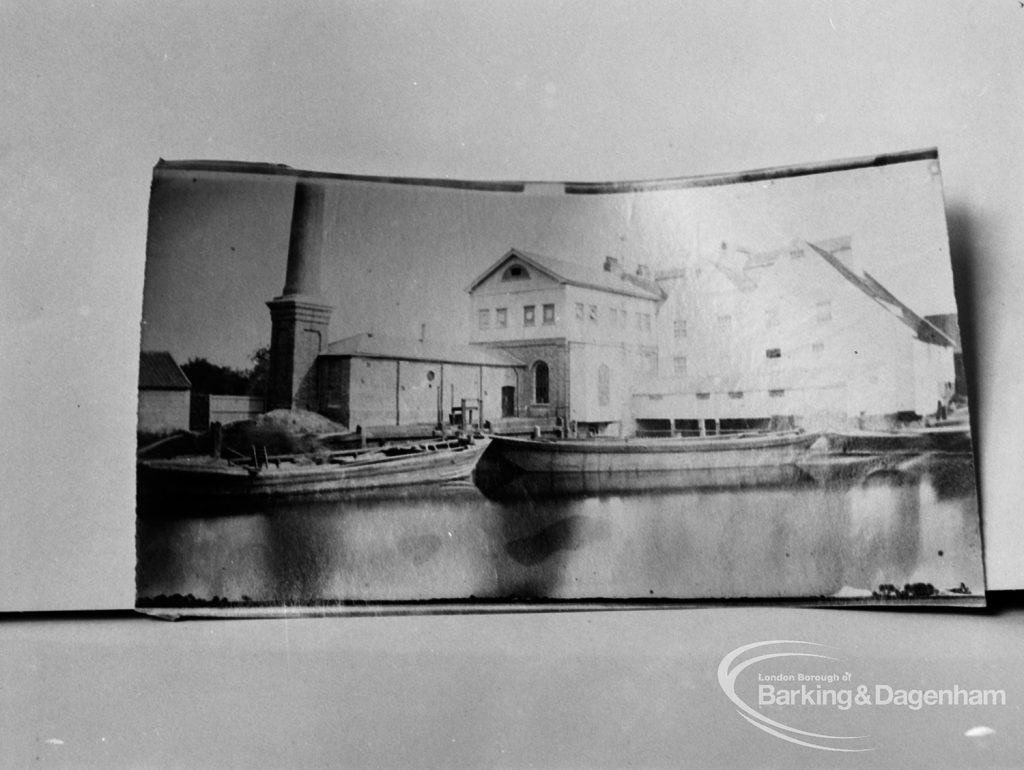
pixel 515 273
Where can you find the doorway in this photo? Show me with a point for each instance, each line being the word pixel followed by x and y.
pixel 508 401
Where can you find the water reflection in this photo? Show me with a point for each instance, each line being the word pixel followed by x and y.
pixel 614 536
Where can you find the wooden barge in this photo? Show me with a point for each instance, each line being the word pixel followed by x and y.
pixel 429 462
pixel 953 439
pixel 617 455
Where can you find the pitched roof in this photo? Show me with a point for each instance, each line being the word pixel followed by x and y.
pixel 574 274
pixel 369 345
pixel 158 371
pixel 864 281
pixel 948 324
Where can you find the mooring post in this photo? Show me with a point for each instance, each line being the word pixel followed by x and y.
pixel 217 434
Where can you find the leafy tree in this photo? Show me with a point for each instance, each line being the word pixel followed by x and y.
pixel 259 375
pixel 211 378
pixel 207 377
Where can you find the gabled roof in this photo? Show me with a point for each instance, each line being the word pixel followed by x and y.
pixel 864 281
pixel 573 274
pixel 737 276
pixel 158 371
pixel 370 345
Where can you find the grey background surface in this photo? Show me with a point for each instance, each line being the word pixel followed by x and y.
pixel 95 94
pixel 92 95
pixel 608 689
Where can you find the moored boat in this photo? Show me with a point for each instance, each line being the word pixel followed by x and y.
pixel 611 455
pixel 429 462
pixel 561 486
pixel 953 439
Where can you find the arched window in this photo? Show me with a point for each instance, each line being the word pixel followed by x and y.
pixel 603 385
pixel 515 273
pixel 541 394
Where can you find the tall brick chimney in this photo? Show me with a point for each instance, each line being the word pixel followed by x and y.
pixel 299 317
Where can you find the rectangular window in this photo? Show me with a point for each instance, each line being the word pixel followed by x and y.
pixel 725 323
pixel 818 348
pixel 529 315
pixel 593 313
pixel 703 396
pixel 651 363
pixel 796 253
pixel 647 322
pixel 773 353
pixel 613 315
pixel 824 310
pixel 736 394
pixel 483 319
pixel 776 393
pixel 624 318
pixel 679 364
pixel 679 328
pixel 501 318
pixel 639 321
pixel 579 311
pixel 549 315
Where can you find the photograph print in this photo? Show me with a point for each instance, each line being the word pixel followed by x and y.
pixel 372 391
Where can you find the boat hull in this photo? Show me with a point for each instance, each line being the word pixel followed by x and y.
pixel 635 455
pixel 449 462
pixel 559 486
pixel 952 440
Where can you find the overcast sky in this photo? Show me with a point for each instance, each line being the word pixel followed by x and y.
pixel 397 256
pixel 92 94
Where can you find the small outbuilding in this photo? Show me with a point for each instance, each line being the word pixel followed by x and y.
pixel 375 380
pixel 164 394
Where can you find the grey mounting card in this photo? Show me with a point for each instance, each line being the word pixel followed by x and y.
pixel 367 394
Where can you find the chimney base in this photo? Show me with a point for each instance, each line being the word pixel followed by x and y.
pixel 298 336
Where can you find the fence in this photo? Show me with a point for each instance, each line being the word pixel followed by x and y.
pixel 207 409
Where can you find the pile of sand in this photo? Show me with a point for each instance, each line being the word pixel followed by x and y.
pixel 299 421
pixel 281 432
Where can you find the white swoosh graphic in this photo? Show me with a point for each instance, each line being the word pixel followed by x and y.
pixel 727 681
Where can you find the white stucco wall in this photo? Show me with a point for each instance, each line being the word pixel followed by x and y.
pixel 163 410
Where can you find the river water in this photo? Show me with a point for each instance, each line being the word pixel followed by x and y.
pixel 635 536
